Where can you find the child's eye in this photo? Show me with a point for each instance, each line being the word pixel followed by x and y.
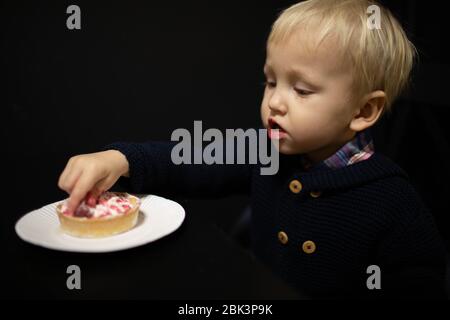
pixel 270 84
pixel 303 92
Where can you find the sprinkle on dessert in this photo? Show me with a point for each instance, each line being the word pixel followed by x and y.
pixel 108 204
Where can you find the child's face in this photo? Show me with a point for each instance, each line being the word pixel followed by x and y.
pixel 308 95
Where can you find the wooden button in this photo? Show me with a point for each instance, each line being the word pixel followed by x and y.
pixel 309 247
pixel 282 236
pixel 315 194
pixel 295 186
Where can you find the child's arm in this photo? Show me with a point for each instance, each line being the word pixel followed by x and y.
pixel 151 170
pixel 148 167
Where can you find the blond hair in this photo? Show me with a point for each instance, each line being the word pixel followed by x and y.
pixel 381 58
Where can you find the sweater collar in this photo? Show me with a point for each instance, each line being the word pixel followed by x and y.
pixel 377 167
pixel 358 149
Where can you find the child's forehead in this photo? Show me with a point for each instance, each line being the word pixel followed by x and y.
pixel 306 47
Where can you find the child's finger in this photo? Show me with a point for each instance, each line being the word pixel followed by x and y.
pixel 98 189
pixel 103 185
pixel 82 187
pixel 63 177
pixel 68 181
pixel 71 178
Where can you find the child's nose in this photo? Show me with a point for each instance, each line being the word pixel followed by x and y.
pixel 276 103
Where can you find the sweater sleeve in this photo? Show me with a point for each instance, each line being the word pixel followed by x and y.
pixel 153 171
pixel 412 257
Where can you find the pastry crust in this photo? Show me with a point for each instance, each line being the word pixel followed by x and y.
pixel 100 227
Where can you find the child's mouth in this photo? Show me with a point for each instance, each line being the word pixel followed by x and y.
pixel 275 131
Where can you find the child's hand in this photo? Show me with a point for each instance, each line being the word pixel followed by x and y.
pixel 91 173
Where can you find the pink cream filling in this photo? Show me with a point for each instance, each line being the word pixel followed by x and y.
pixel 108 204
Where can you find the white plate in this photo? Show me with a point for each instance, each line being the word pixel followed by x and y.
pixel 158 217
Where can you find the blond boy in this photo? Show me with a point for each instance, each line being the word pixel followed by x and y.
pixel 336 208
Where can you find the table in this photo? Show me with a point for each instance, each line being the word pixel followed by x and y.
pixel 199 261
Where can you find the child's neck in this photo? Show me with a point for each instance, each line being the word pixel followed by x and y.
pixel 324 153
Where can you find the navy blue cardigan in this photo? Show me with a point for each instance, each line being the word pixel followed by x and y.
pixel 321 233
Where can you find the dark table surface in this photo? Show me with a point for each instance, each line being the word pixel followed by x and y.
pixel 198 261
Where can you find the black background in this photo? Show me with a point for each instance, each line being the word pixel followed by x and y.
pixel 138 70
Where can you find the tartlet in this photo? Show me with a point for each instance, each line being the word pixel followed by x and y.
pixel 112 213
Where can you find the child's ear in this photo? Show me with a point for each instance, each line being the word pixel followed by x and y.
pixel 372 105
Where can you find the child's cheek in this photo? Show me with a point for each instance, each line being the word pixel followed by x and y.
pixel 264 111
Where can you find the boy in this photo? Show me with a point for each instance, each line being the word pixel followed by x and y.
pixel 335 209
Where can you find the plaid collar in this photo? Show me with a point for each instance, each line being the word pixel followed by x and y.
pixel 358 149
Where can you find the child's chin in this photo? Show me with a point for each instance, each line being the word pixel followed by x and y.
pixel 284 148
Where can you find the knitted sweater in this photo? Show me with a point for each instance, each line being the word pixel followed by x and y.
pixel 318 230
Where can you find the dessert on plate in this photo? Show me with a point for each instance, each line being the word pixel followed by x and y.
pixel 111 213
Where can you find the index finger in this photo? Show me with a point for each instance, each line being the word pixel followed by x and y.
pixel 82 187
